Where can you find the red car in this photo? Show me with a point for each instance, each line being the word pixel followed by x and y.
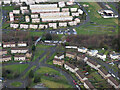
pixel 74 82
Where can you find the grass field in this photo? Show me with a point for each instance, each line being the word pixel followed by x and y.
pixel 101 26
pixel 16 68
pixel 9 8
pixel 36 34
pixel 16 84
pixel 52 82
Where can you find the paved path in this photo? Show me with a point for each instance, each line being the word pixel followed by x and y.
pixel 38 65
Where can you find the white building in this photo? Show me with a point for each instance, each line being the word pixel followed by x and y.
pixel 101 56
pixel 73 9
pixel 77 20
pixel 32 26
pixel 62 24
pixel 14 25
pixel 9 44
pixel 82 50
pixel 72 23
pixel 19 58
pixel 27 19
pixel 75 14
pixel 43 26
pixel 69 3
pixel 69 47
pixel 19 50
pixel 23 8
pixel 61 4
pixel 34 16
pixel 70 67
pixel 16 11
pixel 80 11
pixel 65 9
pixel 92 52
pixel 114 56
pixel 11 16
pixel 59 56
pixel 36 20
pixel 25 26
pixel 22 44
pixel 6 1
pixel 53 25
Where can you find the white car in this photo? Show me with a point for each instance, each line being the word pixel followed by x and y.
pixel 20 62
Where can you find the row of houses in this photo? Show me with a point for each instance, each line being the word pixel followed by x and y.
pixel 16 57
pixel 58 59
pixel 13 44
pixel 94 53
pixel 44 26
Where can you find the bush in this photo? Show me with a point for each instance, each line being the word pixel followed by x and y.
pixel 31 74
pixel 37 79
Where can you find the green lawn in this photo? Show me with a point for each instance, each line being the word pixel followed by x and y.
pixel 101 24
pixel 9 8
pixel 16 84
pixel 16 68
pixel 52 82
pixel 36 33
pixel 42 58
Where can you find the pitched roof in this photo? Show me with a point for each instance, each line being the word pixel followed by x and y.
pixel 73 53
pixel 60 54
pixel 94 63
pixel 19 56
pixel 19 49
pixel 89 84
pixel 103 71
pixel 113 80
pixel 6 56
pixel 55 59
pixel 70 65
pixel 80 74
pixel 5 43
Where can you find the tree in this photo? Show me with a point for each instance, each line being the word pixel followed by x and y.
pixel 33 48
pixel 48 36
pixel 31 74
pixel 37 79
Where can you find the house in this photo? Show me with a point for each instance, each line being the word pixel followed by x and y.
pixel 69 3
pixel 103 73
pixel 0 44
pixel 77 20
pixel 16 11
pixel 19 58
pixel 114 56
pixel 9 44
pixel 113 82
pixel 23 8
pixel 74 47
pixel 43 26
pixel 59 56
pixel 34 16
pixel 80 76
pixel 73 9
pixel 101 56
pixel 11 16
pixel 82 50
pixel 3 52
pixel 61 4
pixel 53 25
pixel 14 25
pixel 36 20
pixel 93 64
pixel 88 85
pixel 71 55
pixel 80 11
pixel 65 9
pixel 107 13
pixel 25 26
pixel 80 56
pixel 58 61
pixel 25 11
pixel 19 50
pixel 22 44
pixel 72 23
pixel 27 19
pixel 92 52
pixel 6 1
pixel 70 67
pixel 6 58
pixel 75 14
pixel 32 26
pixel 28 55
pixel 62 24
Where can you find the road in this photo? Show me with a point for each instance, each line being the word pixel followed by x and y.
pixel 38 65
